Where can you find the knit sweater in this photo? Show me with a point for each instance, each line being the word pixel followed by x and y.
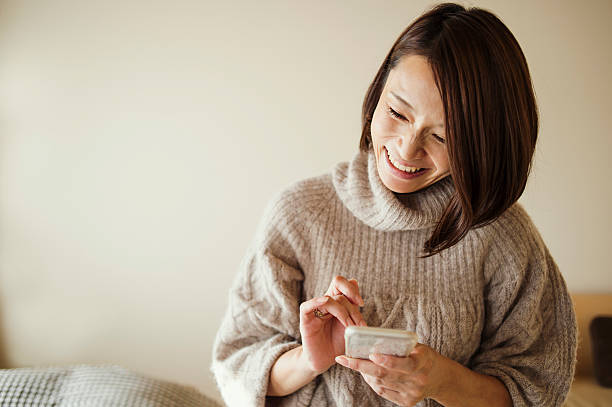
pixel 495 302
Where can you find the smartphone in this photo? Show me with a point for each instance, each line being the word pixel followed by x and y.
pixel 361 341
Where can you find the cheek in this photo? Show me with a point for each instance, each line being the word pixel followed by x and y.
pixel 446 162
pixel 375 126
pixel 380 127
pixel 440 157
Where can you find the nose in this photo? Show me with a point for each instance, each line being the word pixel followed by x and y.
pixel 410 145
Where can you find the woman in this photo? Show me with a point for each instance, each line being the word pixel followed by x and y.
pixel 420 231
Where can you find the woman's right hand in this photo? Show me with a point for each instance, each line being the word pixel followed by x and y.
pixel 323 337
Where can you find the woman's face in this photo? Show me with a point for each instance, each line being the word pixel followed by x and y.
pixel 415 138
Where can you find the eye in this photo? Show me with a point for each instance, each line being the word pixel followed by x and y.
pixel 395 114
pixel 440 139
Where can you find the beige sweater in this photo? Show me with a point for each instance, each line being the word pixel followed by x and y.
pixel 495 302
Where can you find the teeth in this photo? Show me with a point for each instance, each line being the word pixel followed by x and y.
pixel 400 166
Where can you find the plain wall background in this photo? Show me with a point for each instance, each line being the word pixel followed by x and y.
pixel 141 140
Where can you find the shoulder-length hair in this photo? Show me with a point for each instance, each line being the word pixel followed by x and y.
pixel 491 116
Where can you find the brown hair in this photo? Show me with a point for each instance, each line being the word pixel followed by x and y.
pixel 491 116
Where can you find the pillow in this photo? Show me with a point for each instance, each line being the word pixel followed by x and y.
pixel 85 385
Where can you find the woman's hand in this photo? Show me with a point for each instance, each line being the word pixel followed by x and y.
pixel 402 380
pixel 323 336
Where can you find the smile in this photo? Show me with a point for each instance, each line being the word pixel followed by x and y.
pixel 410 170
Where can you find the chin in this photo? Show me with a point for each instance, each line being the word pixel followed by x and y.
pixel 407 190
pixel 404 187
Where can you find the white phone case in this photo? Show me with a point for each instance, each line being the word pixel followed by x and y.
pixel 361 341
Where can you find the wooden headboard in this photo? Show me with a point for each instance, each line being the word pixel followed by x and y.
pixel 587 306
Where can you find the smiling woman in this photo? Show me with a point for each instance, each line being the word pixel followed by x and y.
pixel 412 133
pixel 473 116
pixel 420 231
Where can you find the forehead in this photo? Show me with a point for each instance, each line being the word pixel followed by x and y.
pixel 413 74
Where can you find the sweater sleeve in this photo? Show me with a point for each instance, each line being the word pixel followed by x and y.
pixel 262 318
pixel 529 336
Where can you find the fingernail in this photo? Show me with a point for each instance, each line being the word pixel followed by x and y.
pixel 341 359
pixel 362 302
pixel 362 323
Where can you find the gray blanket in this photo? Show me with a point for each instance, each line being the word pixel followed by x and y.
pixel 86 385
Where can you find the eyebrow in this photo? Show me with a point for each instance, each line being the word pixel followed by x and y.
pixel 408 105
pixel 398 97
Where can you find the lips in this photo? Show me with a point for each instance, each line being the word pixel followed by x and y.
pixel 404 175
pixel 390 156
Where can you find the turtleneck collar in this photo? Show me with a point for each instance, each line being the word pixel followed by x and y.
pixel 360 188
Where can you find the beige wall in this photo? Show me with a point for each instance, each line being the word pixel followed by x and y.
pixel 140 142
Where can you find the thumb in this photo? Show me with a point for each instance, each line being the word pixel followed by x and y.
pixel 354 282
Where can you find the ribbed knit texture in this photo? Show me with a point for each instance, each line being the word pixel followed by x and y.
pixel 93 386
pixel 495 302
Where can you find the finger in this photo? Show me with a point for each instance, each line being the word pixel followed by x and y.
pixel 391 395
pixel 376 382
pixel 356 284
pixel 335 289
pixel 307 308
pixel 348 289
pixel 352 309
pixel 364 366
pixel 404 364
pixel 338 310
pixel 371 380
pixel 396 397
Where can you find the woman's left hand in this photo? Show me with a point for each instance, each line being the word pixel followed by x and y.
pixel 402 380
